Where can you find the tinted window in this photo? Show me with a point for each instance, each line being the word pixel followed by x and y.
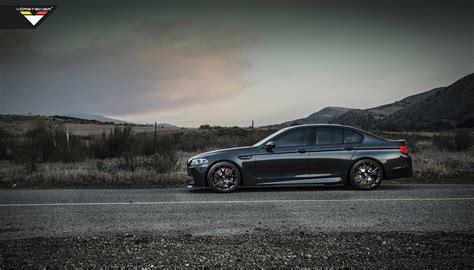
pixel 329 136
pixel 352 137
pixel 293 138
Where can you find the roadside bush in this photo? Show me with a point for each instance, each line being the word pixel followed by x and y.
pixel 29 158
pixel 163 163
pixel 219 137
pixel 50 142
pixel 460 141
pixel 205 127
pixel 6 142
pixel 463 140
pixel 119 140
pixel 131 161
pixel 47 142
pixel 433 164
pixel 444 142
pixel 159 162
pixel 44 138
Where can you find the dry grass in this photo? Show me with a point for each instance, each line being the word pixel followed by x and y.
pixel 90 174
pixel 19 125
pixel 429 163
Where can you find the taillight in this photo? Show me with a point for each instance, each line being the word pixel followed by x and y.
pixel 404 149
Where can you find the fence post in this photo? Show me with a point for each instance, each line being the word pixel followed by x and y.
pixel 67 140
pixel 252 131
pixel 154 141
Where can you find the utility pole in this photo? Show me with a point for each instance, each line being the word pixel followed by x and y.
pixel 252 131
pixel 154 141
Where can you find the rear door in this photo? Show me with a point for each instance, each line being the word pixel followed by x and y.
pixel 331 155
pixel 287 161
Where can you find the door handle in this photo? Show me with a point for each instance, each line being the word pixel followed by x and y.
pixel 301 150
pixel 348 148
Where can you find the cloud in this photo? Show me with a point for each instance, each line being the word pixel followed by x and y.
pixel 155 66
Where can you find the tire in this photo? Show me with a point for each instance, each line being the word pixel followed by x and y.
pixel 224 177
pixel 366 174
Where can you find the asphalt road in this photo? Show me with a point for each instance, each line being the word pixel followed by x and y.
pixel 392 207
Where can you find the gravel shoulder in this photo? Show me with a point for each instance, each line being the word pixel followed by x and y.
pixel 263 249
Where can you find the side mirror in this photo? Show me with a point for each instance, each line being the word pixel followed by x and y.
pixel 269 145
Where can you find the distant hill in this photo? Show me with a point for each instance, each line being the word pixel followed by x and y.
pixel 372 118
pixel 439 108
pixel 323 116
pixel 451 107
pixel 96 117
pixel 166 125
pixel 104 119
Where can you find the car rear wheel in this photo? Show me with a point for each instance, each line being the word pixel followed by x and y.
pixel 223 177
pixel 366 174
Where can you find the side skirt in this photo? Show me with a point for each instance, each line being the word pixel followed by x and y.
pixel 332 180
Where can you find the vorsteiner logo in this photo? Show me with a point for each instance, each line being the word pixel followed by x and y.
pixel 24 17
pixel 34 15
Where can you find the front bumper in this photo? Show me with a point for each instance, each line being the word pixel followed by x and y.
pixel 190 181
pixel 197 176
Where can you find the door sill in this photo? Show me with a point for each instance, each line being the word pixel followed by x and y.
pixel 330 180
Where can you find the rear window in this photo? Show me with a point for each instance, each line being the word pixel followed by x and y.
pixel 352 137
pixel 328 136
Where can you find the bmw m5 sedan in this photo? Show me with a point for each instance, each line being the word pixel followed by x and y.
pixel 305 154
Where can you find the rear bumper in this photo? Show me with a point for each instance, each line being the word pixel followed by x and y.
pixel 399 168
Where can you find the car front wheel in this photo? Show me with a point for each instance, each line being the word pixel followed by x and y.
pixel 223 177
pixel 366 174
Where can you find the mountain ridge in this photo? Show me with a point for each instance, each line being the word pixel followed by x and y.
pixel 104 119
pixel 323 116
pixel 96 117
pixel 439 108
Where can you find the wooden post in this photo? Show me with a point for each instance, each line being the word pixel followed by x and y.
pixel 252 132
pixel 154 141
pixel 67 140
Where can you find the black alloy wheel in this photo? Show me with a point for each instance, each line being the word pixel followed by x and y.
pixel 223 177
pixel 366 174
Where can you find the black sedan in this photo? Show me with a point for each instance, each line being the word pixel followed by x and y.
pixel 305 154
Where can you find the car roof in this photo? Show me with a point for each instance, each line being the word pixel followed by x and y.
pixel 324 125
pixel 365 133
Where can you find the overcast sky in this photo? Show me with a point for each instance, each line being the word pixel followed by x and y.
pixel 226 64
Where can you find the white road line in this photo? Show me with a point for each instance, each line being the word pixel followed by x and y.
pixel 224 202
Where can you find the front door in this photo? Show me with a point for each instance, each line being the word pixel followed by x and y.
pixel 287 161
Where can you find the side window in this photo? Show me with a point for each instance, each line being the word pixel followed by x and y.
pixel 328 136
pixel 297 137
pixel 352 137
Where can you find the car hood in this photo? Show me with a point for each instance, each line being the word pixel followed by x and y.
pixel 240 150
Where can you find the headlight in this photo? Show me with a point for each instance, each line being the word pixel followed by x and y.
pixel 198 161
